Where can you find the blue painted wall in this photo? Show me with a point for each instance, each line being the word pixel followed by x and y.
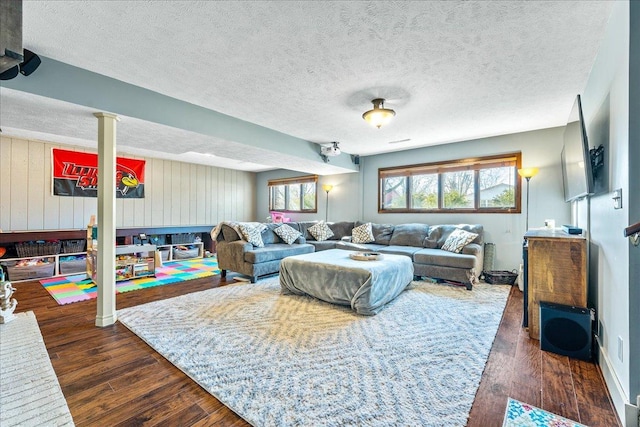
pixel 355 195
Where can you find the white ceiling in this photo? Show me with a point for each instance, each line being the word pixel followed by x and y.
pixel 452 70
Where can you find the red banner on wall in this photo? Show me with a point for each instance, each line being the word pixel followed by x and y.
pixel 76 174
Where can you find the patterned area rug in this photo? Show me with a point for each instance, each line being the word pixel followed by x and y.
pixel 286 360
pixel 30 394
pixel 68 289
pixel 520 414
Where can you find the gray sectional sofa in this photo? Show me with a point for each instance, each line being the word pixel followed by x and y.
pixel 421 242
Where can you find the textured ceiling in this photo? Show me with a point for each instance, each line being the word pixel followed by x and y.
pixel 38 118
pixel 451 70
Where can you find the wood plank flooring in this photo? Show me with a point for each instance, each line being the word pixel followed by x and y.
pixel 112 378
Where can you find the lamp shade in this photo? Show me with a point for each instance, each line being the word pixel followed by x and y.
pixel 528 172
pixel 327 187
pixel 379 115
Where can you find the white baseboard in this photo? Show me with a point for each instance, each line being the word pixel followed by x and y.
pixel 102 321
pixel 628 416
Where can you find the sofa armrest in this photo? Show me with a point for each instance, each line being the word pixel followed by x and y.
pixel 472 249
pixel 300 239
pixel 476 250
pixel 231 254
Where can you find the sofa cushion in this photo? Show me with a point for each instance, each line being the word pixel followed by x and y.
pixel 362 234
pixel 443 258
pixel 303 227
pixel 400 250
pixel 381 232
pixel 287 233
pixel 324 245
pixel 276 251
pixel 442 232
pixel 457 240
pixel 409 235
pixel 320 231
pixel 269 236
pixel 340 229
pixel 251 234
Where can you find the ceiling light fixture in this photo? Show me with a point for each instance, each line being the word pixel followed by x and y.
pixel 379 115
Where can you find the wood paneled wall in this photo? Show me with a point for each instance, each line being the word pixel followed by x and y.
pixel 176 193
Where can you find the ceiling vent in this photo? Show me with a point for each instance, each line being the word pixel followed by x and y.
pixel 11 34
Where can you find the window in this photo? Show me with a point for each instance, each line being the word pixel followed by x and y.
pixel 485 184
pixel 293 194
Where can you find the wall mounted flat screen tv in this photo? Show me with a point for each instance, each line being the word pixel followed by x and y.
pixel 577 174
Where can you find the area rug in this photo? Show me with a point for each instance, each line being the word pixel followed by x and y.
pixel 287 360
pixel 520 414
pixel 68 289
pixel 30 394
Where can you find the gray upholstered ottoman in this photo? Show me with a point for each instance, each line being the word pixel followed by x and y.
pixel 333 277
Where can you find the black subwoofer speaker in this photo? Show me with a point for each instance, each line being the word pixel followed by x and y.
pixel 565 330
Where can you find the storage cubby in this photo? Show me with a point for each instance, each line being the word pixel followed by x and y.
pixel 132 262
pixel 39 259
pixel 38 254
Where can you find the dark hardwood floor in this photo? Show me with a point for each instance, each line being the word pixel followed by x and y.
pixel 110 377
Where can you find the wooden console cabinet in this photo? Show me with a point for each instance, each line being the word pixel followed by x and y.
pixel 557 272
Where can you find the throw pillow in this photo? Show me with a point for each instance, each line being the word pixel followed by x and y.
pixel 320 231
pixel 362 234
pixel 287 233
pixel 252 235
pixel 457 240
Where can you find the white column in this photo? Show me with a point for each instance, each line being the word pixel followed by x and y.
pixel 106 274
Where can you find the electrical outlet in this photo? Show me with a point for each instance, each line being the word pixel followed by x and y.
pixel 601 333
pixel 617 199
pixel 620 349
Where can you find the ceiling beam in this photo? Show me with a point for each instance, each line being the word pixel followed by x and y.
pixel 64 82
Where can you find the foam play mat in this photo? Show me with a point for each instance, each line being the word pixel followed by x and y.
pixel 78 287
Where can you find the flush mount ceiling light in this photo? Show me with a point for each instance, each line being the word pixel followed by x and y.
pixel 379 115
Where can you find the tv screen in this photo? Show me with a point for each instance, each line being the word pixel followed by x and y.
pixel 577 175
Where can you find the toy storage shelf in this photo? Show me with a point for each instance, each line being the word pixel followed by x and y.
pixel 132 262
pixel 60 265
pixel 174 252
pixel 51 266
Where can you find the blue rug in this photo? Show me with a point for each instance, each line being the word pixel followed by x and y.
pixel 523 415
